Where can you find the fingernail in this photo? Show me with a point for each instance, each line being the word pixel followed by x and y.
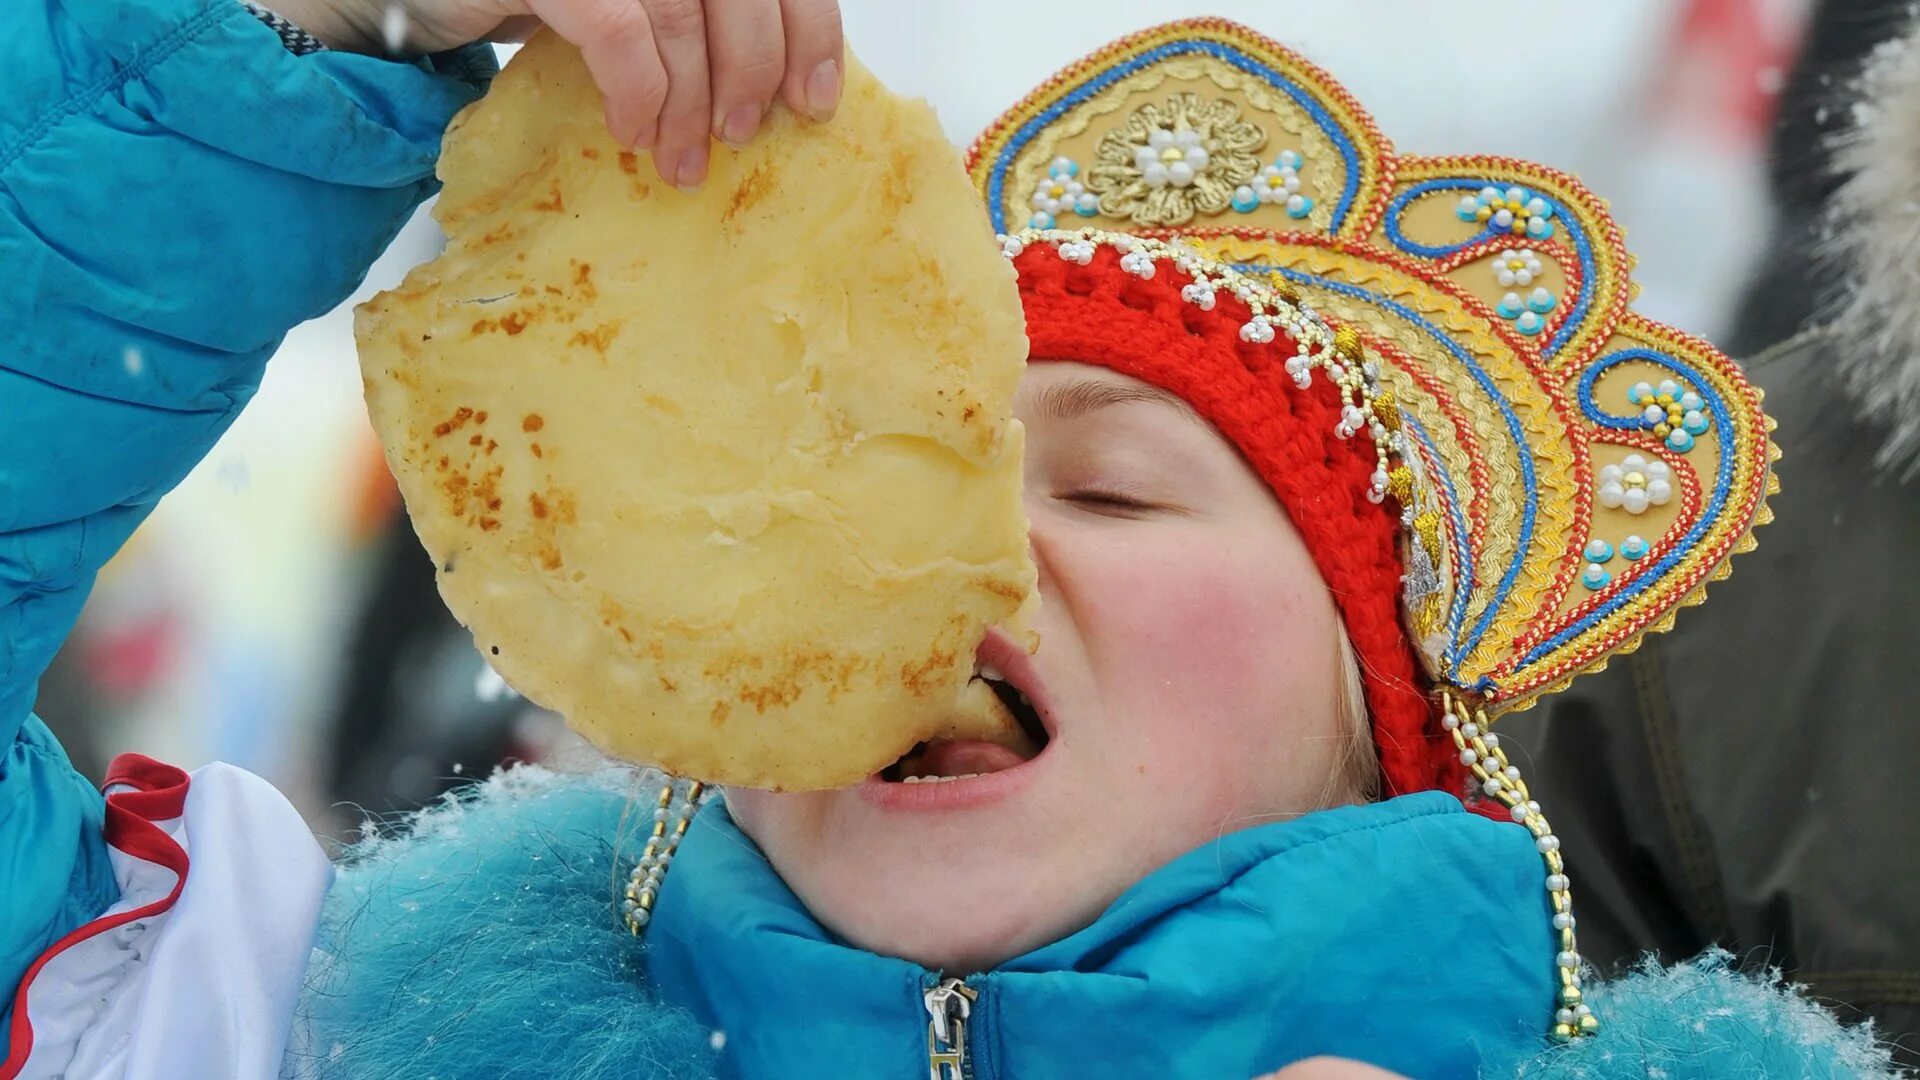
pixel 692 170
pixel 739 125
pixel 823 90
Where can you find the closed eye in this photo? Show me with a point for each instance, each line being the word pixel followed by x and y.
pixel 1109 499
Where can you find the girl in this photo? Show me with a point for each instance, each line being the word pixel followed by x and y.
pixel 1308 505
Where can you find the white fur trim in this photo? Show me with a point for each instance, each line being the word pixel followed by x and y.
pixel 1878 240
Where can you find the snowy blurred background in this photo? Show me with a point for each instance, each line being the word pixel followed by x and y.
pixel 272 612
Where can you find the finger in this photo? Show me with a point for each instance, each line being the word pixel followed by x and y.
pixel 517 28
pixel 747 53
pixel 816 67
pixel 616 40
pixel 679 33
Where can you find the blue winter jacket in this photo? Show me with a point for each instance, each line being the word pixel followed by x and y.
pixel 177 188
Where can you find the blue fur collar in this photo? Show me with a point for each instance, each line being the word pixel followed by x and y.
pixel 483 942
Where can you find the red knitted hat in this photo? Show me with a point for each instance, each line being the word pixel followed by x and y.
pixel 1102 315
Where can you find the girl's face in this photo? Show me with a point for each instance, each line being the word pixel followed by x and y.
pixel 1186 677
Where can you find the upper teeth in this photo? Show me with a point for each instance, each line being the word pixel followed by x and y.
pixel 988 671
pixel 939 779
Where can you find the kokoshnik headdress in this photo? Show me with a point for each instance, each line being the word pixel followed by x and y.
pixel 1504 474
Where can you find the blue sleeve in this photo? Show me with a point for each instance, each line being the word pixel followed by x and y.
pixel 176 192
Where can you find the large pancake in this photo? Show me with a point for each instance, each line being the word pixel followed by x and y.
pixel 729 479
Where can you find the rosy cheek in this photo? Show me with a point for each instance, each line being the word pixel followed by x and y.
pixel 1220 644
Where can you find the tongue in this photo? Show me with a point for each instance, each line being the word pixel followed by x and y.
pixel 963 757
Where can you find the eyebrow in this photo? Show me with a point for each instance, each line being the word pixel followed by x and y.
pixel 1072 400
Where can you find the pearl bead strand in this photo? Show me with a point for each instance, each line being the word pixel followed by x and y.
pixel 672 812
pixel 1499 778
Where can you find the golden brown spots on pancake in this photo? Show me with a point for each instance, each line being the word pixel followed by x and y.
pixel 725 666
pixel 770 695
pixel 1004 589
pixel 900 170
pixel 758 185
pixel 453 423
pixel 599 337
pixel 454 487
pixel 791 675
pixel 630 164
pixel 551 509
pixel 922 678
pixel 461 490
pixel 532 422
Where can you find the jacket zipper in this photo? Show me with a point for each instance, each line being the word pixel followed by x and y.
pixel 949 1004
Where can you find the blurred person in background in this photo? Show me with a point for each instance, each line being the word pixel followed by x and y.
pixel 417 710
pixel 1748 780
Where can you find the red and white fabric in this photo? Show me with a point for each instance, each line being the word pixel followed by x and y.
pixel 196 971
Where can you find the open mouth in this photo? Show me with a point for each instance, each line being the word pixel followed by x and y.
pixel 947 760
pixel 943 759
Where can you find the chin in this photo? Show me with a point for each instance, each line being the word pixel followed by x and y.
pixel 956 926
pixel 957 855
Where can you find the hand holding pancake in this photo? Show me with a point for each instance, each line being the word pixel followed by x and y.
pixel 672 72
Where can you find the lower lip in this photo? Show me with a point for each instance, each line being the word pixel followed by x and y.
pixel 933 795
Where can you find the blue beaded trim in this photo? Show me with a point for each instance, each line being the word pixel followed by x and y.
pixel 1722 483
pixel 997 177
pixel 1582 248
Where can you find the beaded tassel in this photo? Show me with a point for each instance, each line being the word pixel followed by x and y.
pixel 672 812
pixel 1500 779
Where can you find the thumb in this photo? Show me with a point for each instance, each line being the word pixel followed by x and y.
pixel 514 30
